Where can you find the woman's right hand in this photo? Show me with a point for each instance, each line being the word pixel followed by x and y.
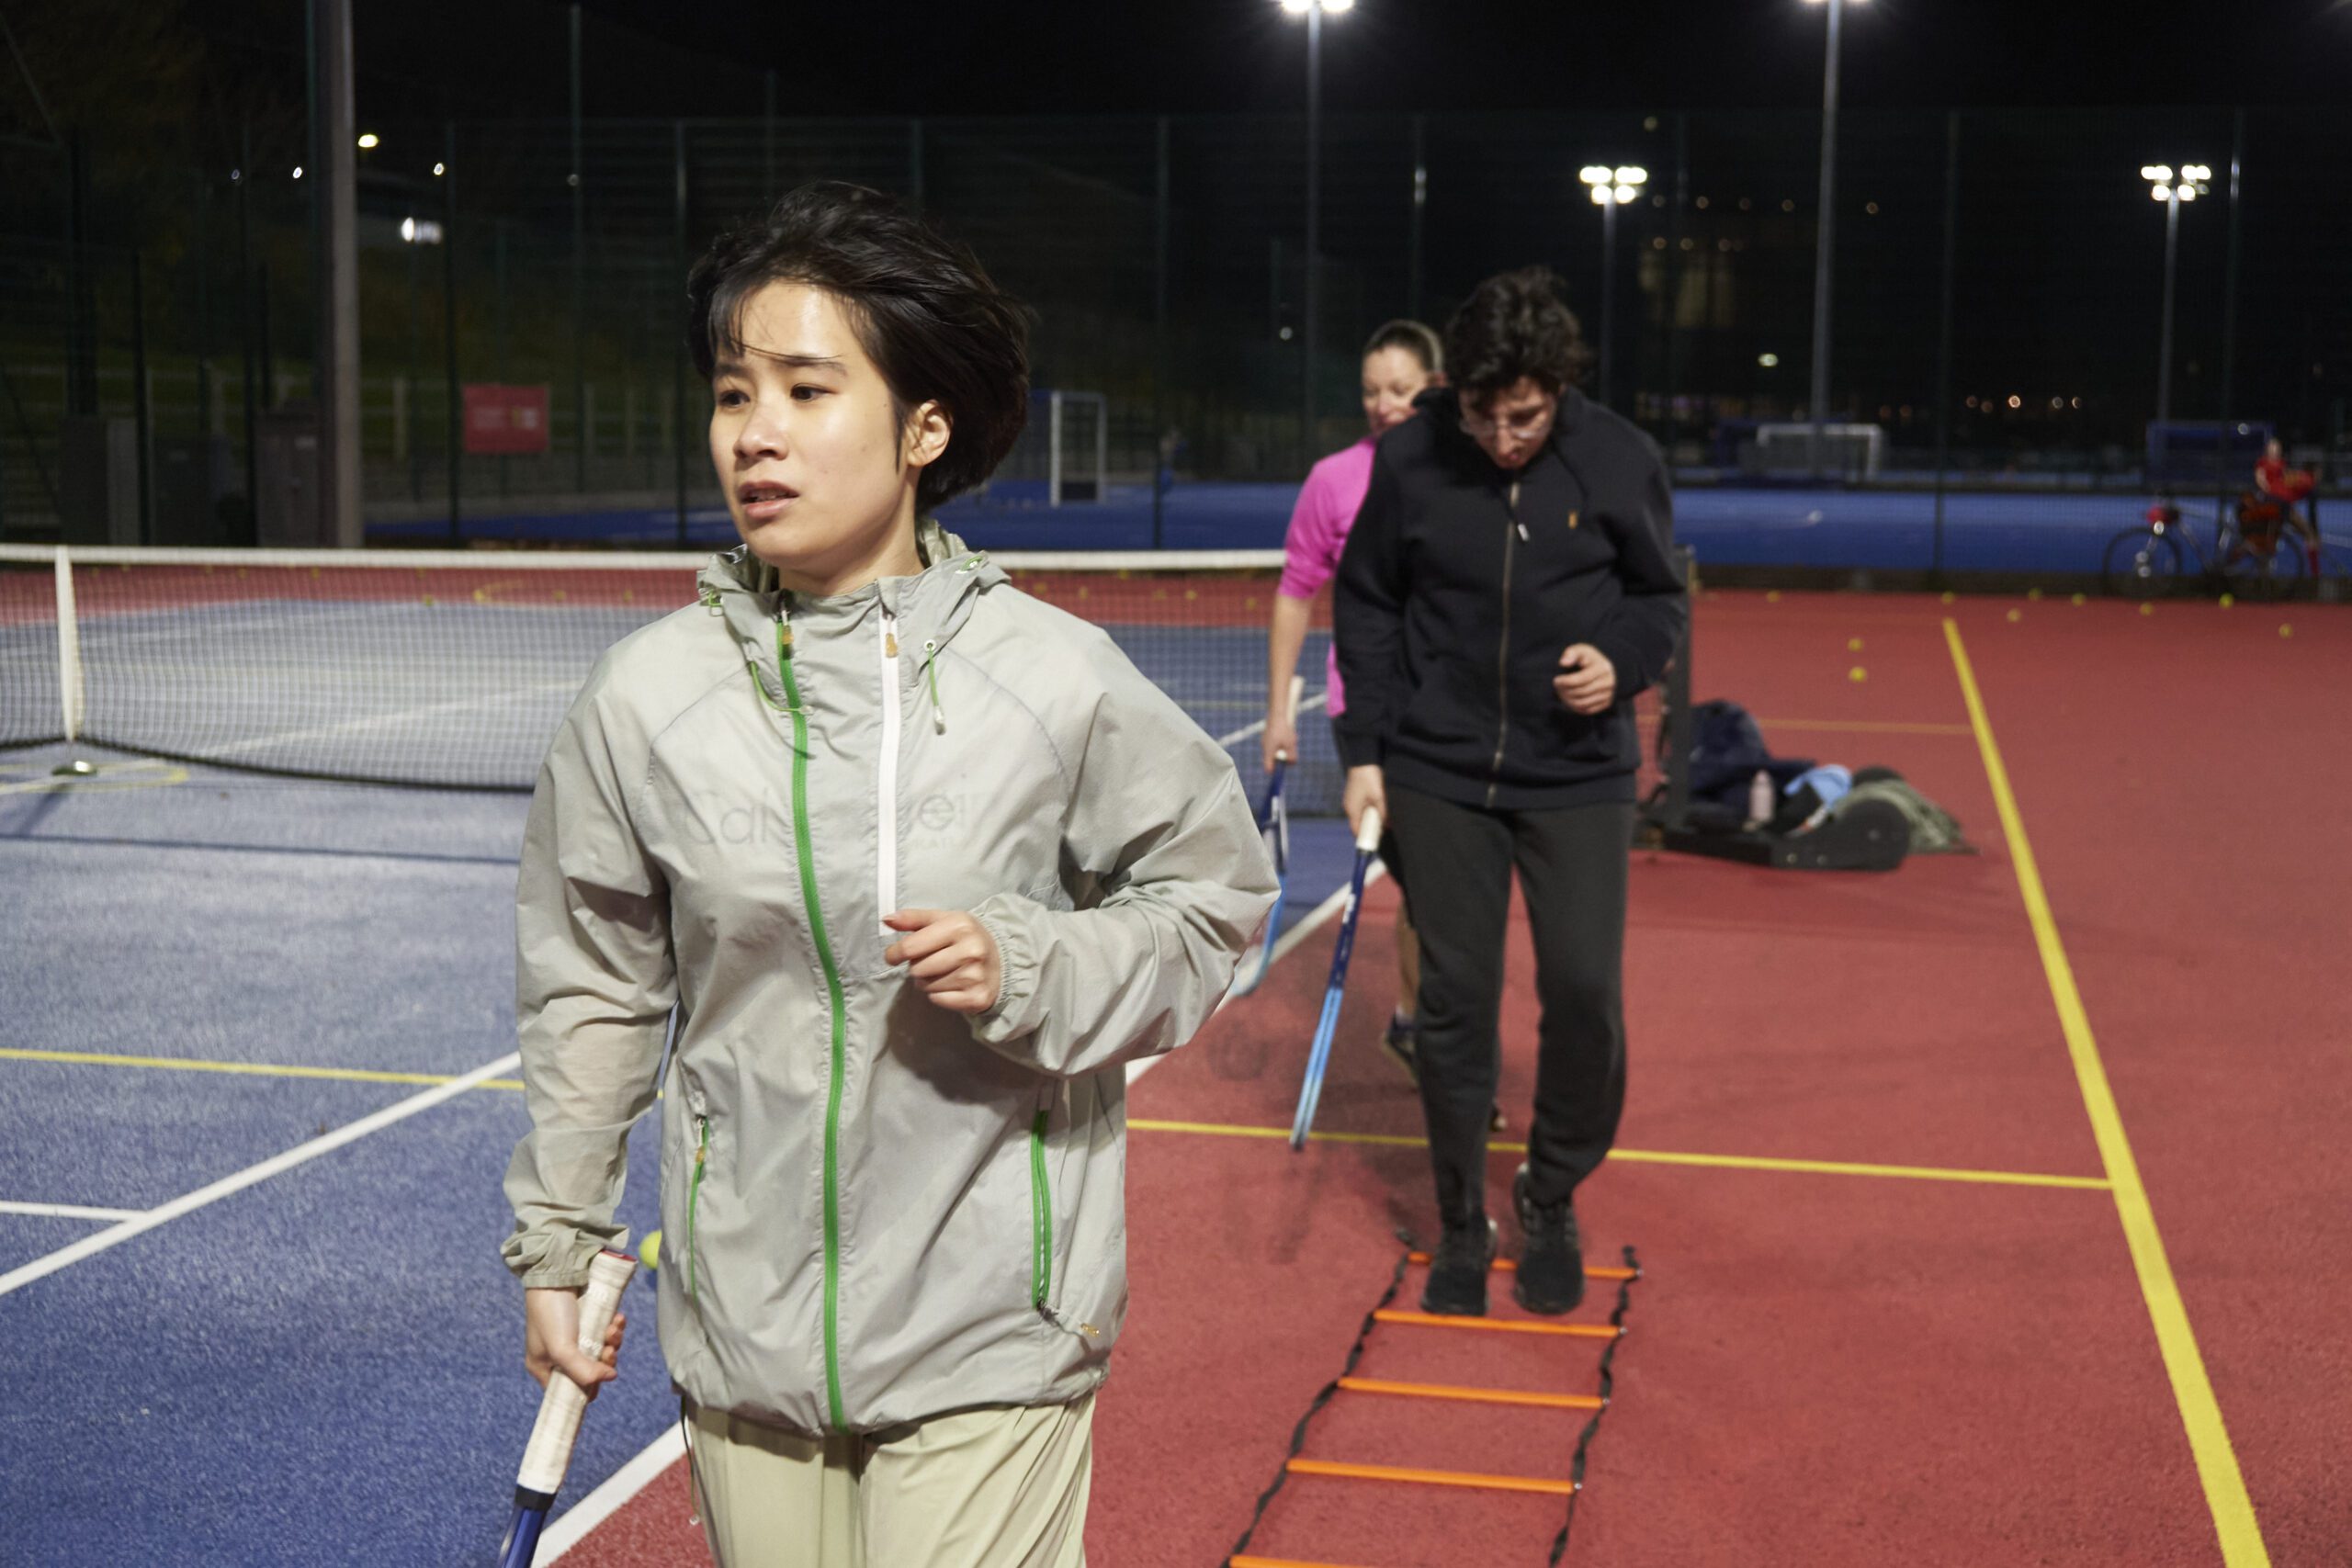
pixel 1280 737
pixel 1365 789
pixel 551 1340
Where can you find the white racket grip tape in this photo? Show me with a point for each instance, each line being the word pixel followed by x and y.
pixel 548 1453
pixel 1368 835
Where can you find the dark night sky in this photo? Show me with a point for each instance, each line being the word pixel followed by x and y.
pixel 659 58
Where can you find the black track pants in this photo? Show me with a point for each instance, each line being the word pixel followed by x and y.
pixel 1572 867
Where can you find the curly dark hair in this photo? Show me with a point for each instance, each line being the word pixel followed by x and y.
pixel 1515 324
pixel 924 310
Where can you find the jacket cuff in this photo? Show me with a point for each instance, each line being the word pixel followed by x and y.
pixel 1626 660
pixel 1358 749
pixel 1010 1016
pixel 556 1257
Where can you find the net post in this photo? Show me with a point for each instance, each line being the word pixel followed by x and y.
pixel 69 649
pixel 1053 448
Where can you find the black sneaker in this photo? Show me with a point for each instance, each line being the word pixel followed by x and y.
pixel 1550 1279
pixel 1402 1041
pixel 1457 1283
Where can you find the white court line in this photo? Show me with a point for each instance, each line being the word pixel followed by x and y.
pixel 608 1499
pixel 1246 731
pixel 68 1211
pixel 350 1133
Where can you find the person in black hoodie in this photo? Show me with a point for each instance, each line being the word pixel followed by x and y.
pixel 1510 585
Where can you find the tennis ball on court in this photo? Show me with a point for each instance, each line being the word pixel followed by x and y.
pixel 2016 614
pixel 2033 593
pixel 1853 645
pixel 1858 673
pixel 2147 609
pixel 1773 597
pixel 2228 600
pixel 650 1254
pixel 2078 599
pixel 1948 597
pixel 2286 630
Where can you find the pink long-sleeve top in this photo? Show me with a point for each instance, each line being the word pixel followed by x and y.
pixel 1327 503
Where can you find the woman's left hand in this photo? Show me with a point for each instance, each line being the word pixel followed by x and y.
pixel 1587 681
pixel 951 955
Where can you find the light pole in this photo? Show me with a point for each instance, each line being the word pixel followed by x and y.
pixel 1824 232
pixel 1310 306
pixel 2162 187
pixel 1611 188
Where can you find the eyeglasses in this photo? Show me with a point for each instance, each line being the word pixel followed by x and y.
pixel 1527 427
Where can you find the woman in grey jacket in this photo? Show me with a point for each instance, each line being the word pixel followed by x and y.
pixel 916 864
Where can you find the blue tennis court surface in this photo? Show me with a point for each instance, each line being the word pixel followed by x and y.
pixel 323 1366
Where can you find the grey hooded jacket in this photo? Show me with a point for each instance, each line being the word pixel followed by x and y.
pixel 873 1209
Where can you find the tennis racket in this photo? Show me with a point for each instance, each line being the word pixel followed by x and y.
pixel 548 1453
pixel 1318 1055
pixel 1273 822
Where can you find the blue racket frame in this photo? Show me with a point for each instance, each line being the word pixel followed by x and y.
pixel 1319 1054
pixel 1273 823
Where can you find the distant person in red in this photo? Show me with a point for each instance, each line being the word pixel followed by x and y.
pixel 2278 482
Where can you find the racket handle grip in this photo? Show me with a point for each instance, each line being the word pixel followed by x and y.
pixel 1368 833
pixel 548 1453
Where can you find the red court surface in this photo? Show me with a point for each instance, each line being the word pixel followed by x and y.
pixel 1893 1311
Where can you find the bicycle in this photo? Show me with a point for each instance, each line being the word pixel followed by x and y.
pixel 2257 552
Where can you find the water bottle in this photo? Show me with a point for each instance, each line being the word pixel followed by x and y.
pixel 1759 800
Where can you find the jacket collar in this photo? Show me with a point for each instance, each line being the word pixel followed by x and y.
pixel 933 605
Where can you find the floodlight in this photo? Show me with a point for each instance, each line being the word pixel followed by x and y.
pixel 1624 194
pixel 1593 174
pixel 1633 177
pixel 2187 193
pixel 367 138
pixel 2157 174
pixel 2196 172
pixel 1600 195
pixel 2160 192
pixel 408 230
pixel 1298 8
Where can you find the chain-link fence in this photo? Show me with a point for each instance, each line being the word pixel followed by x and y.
pixel 1998 308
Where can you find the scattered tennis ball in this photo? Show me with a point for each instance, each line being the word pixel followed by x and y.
pixel 1853 645
pixel 2285 630
pixel 1773 597
pixel 2228 600
pixel 2033 593
pixel 650 1254
pixel 1948 597
pixel 2078 599
pixel 2147 609
pixel 1858 673
pixel 2016 614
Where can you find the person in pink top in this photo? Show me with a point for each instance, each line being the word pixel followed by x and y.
pixel 1402 360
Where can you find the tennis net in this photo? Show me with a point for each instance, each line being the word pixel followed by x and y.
pixel 452 670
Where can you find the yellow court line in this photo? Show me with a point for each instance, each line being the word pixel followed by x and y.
pixel 1656 1157
pixel 2200 1412
pixel 1141 1124
pixel 251 1069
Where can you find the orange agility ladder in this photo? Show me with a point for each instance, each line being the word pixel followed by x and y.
pixel 1570 1486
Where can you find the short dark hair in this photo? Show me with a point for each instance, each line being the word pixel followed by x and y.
pixel 1412 337
pixel 924 310
pixel 1515 324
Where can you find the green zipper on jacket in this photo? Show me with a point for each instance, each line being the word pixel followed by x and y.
pixel 693 1197
pixel 1041 1218
pixel 800 839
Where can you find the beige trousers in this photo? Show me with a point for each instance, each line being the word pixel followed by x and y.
pixel 997 1488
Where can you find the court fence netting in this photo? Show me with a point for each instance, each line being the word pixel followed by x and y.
pixel 452 669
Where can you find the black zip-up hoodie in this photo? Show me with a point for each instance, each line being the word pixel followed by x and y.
pixel 1462 584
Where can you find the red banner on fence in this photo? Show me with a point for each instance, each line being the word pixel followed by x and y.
pixel 505 421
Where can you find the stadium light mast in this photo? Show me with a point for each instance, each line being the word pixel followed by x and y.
pixel 1611 188
pixel 1824 232
pixel 2164 186
pixel 1311 307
